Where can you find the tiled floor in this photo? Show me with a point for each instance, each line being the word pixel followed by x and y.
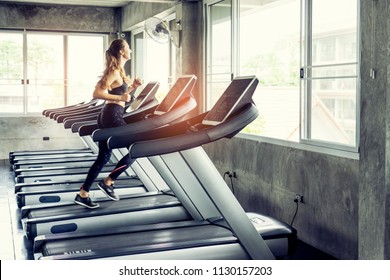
pixel 14 246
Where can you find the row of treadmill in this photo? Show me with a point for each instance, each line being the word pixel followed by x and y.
pixel 173 204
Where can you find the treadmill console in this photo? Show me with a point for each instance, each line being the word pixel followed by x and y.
pixel 181 86
pixel 145 95
pixel 240 89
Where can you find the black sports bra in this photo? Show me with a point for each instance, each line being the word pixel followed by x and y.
pixel 119 90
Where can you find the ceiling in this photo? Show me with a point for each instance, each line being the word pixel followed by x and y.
pixel 95 3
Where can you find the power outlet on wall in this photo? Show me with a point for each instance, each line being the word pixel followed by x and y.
pixel 231 174
pixel 298 198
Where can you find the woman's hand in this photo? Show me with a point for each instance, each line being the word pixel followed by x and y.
pixel 126 97
pixel 136 83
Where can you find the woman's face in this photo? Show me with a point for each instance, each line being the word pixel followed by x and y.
pixel 126 52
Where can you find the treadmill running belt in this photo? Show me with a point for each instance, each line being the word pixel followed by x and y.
pixel 106 207
pixel 72 187
pixel 141 242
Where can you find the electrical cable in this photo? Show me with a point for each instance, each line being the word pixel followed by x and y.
pixel 231 183
pixel 231 180
pixel 296 211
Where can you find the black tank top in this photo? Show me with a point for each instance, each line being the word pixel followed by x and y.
pixel 119 90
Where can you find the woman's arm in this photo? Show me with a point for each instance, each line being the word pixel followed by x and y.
pixel 134 84
pixel 102 93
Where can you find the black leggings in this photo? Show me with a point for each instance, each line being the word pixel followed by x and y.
pixel 110 116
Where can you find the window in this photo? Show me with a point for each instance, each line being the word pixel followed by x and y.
pixel 219 56
pixel 329 73
pixel 258 38
pixel 269 48
pixel 84 70
pixel 45 70
pixel 304 53
pixel 11 72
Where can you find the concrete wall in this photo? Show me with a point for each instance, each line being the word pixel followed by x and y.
pixel 269 176
pixel 63 18
pixel 136 12
pixel 27 133
pixel 374 176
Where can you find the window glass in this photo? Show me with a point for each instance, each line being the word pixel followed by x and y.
pixel 138 54
pixel 269 48
pixel 11 72
pixel 219 59
pixel 45 72
pixel 42 70
pixel 332 75
pixel 305 55
pixel 85 66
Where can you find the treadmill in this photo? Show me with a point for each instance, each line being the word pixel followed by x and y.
pixel 175 105
pixel 47 112
pixel 145 179
pixel 15 156
pixel 30 193
pixel 38 158
pixel 217 227
pixel 143 102
pixel 24 162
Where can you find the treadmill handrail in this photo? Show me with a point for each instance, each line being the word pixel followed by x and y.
pixel 46 112
pixel 55 114
pixel 91 119
pixel 68 123
pixel 153 122
pixel 193 139
pixel 177 128
pixel 85 128
pixel 61 117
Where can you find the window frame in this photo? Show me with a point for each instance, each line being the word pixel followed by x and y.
pixel 24 33
pixel 306 84
pixel 324 147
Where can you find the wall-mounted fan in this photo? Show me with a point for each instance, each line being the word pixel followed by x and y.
pixel 159 31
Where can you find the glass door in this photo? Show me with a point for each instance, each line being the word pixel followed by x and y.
pixel 41 70
pixel 11 73
pixel 45 72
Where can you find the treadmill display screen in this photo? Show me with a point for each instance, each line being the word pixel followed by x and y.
pixel 174 95
pixel 143 96
pixel 228 101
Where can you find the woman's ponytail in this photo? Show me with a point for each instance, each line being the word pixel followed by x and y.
pixel 112 62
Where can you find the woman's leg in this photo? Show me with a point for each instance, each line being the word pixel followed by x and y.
pixel 103 157
pixel 121 166
pixel 110 116
pixel 107 185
